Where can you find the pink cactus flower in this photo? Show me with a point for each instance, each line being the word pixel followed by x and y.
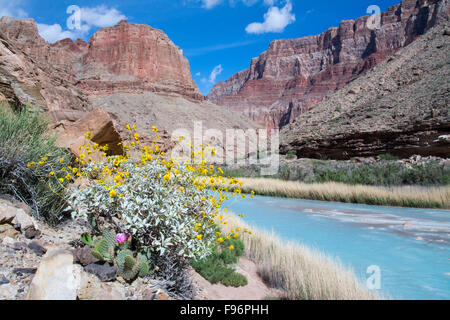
pixel 121 238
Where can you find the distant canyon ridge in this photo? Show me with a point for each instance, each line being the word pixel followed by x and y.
pixel 139 76
pixel 293 75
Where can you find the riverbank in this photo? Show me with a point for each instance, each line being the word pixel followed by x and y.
pixel 301 273
pixel 405 196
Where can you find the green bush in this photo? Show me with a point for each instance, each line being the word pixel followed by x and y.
pixel 292 154
pixel 387 173
pixel 387 156
pixel 24 139
pixel 235 280
pixel 216 268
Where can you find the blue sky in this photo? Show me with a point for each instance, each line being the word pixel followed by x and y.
pixel 219 37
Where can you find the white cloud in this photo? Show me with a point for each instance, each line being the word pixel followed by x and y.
pixel 12 9
pixel 216 71
pixel 54 32
pixel 96 17
pixel 209 4
pixel 275 20
pixel 101 16
pixel 198 74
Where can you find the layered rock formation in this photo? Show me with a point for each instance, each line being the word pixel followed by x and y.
pixel 400 107
pixel 32 71
pixel 124 58
pixel 293 75
pixel 132 71
pixel 135 58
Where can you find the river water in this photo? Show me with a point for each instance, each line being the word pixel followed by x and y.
pixel 410 248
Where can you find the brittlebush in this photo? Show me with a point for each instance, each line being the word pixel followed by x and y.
pixel 168 207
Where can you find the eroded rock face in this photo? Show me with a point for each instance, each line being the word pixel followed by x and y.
pixel 127 58
pixel 132 71
pixel 294 75
pixel 102 129
pixel 33 71
pixel 132 57
pixel 400 107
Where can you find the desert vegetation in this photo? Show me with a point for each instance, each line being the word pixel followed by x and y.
pixel 25 141
pixel 218 266
pixel 149 214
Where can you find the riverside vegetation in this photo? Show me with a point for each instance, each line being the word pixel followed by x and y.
pixel 301 273
pixel 152 216
pixel 385 182
pixel 161 205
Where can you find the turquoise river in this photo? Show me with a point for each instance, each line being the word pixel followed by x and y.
pixel 409 247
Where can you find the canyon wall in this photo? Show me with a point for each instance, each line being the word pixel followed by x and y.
pixel 400 107
pixel 293 75
pixel 134 72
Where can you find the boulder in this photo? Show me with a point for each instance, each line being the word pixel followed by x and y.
pixel 104 271
pixel 7 231
pixel 18 215
pixel 56 278
pixel 91 288
pixel 37 248
pixel 3 280
pixel 102 129
pixel 83 256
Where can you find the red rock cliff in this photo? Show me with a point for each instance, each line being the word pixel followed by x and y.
pixel 295 74
pixel 134 57
pixel 126 58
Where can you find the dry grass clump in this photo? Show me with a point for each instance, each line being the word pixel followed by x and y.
pixel 405 196
pixel 302 273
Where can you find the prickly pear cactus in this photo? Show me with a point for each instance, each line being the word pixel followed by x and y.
pixel 130 267
pixel 100 250
pixel 110 237
pixel 104 248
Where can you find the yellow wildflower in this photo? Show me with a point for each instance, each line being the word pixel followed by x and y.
pixel 167 177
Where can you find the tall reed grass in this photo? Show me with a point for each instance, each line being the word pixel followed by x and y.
pixel 405 196
pixel 301 273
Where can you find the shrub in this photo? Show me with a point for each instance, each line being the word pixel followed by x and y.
pixel 235 280
pixel 387 156
pixel 216 268
pixel 292 154
pixel 167 207
pixel 23 140
pixel 386 173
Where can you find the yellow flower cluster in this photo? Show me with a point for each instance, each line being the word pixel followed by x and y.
pixel 108 171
